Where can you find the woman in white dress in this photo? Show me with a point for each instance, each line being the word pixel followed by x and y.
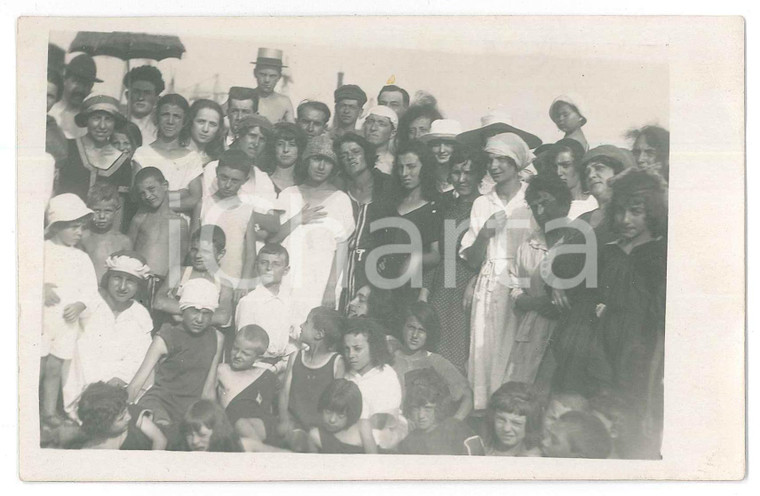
pixel 318 220
pixel 499 222
pixel 181 166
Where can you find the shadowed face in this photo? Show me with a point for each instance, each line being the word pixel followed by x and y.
pixel 103 214
pixel 415 335
pixel 359 306
pixel 76 89
pixel 152 192
pixel 286 152
pixel 100 126
pixel 312 121
pixel 267 78
pixel 357 353
pixel 424 417
pixel 509 429
pixel 122 287
pixel 244 353
pixel 348 111
pixel 334 421
pixel 199 440
pixel 196 320
pixel 171 118
pixel 142 98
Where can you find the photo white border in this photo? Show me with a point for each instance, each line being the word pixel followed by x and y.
pixel 701 71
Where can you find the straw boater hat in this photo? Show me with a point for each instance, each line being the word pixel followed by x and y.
pixel 443 130
pixel 269 56
pixel 496 122
pixel 83 66
pixel 99 103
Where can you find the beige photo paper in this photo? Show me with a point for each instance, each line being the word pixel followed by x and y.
pixel 492 80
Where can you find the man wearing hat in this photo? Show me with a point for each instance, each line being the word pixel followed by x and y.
pixel 276 107
pixel 380 128
pixel 349 103
pixel 78 77
pixel 242 102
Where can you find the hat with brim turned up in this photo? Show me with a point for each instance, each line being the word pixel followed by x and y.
pixel 99 103
pixel 493 123
pixel 269 57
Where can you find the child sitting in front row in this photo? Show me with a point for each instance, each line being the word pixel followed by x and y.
pixel 100 239
pixel 108 422
pixel 70 286
pixel 205 427
pixel 339 407
pixel 513 421
pixel 247 389
pixel 381 426
pixel 434 431
pixel 309 372
pixel 577 435
pixel 184 356
pixel 207 247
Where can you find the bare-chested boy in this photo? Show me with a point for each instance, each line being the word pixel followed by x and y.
pixel 101 240
pixel 155 229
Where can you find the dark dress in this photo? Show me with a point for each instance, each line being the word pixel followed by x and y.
pixel 331 444
pixel 447 301
pixel 363 241
pixel 306 388
pixel 429 223
pixel 581 365
pixel 633 292
pixel 450 437
pixel 77 175
pixel 180 377
pixel 256 401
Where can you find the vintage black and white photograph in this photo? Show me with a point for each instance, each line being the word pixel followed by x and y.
pixel 287 244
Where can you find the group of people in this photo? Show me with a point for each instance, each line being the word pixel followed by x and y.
pixel 246 277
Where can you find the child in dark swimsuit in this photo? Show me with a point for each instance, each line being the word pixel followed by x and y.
pixel 340 407
pixel 309 373
pixel 247 389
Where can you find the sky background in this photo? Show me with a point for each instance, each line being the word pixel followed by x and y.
pixel 622 86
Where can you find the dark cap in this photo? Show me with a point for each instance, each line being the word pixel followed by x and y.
pixel 350 92
pixel 83 66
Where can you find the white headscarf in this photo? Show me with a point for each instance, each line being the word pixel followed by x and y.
pixel 512 146
pixel 384 111
pixel 199 293
pixel 128 265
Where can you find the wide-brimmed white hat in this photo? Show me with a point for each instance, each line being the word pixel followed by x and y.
pixel 442 130
pixel 496 122
pixel 65 208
